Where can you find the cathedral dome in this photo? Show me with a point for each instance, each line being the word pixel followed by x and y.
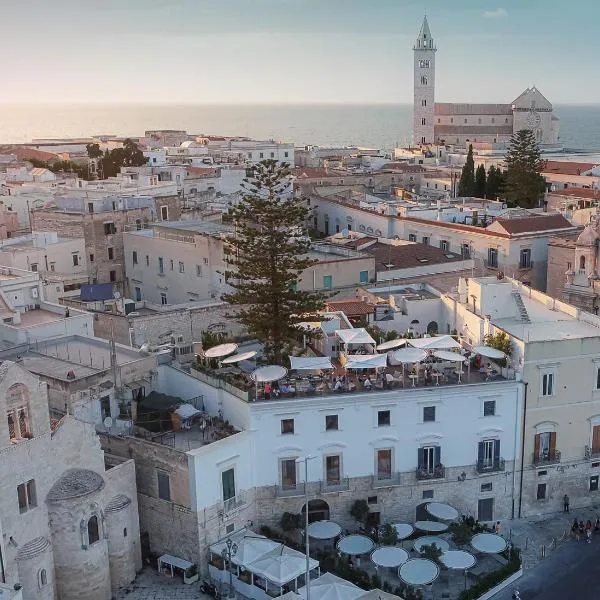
pixel 588 236
pixel 75 483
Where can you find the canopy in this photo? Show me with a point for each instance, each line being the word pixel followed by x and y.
pixel 488 543
pixel 355 544
pixel 187 411
pixel 359 335
pixel 331 587
pixel 438 342
pixel 175 561
pixel 457 559
pixel 389 556
pixel 429 540
pixel 268 373
pixel 419 571
pixel 251 547
pixel 410 355
pixel 444 512
pixel 239 357
pixel 446 355
pixel 282 568
pixel 310 363
pixel 324 530
pixel 489 352
pixel 392 344
pixel 366 361
pixel 220 350
pixel 403 530
pixel 431 526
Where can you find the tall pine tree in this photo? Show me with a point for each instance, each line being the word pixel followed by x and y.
pixel 466 185
pixel 524 182
pixel 494 185
pixel 480 182
pixel 267 255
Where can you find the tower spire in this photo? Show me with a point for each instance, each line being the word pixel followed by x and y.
pixel 424 86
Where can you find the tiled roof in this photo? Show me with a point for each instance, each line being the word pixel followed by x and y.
pixel 450 109
pixel 402 166
pixel 351 308
pixel 533 223
pixel 579 193
pixel 23 153
pixel 313 172
pixel 408 255
pixel 566 167
pixel 201 171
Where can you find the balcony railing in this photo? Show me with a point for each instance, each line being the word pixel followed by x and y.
pixel 387 480
pixel 490 466
pixel 233 503
pixel 288 491
pixel 592 452
pixel 547 458
pixel 328 487
pixel 438 472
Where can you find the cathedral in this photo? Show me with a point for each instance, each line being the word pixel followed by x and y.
pixel 447 123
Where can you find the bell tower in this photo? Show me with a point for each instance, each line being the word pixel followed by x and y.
pixel 424 87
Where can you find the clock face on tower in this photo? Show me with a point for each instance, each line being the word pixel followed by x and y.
pixel 533 119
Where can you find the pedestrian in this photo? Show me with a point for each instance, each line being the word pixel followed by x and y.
pixel 597 524
pixel 268 390
pixel 498 528
pixel 575 529
pixel 566 503
pixel 588 531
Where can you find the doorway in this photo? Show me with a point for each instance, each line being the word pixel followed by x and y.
pixel 485 509
pixel 318 510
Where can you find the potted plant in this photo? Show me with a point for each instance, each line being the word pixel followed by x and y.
pixel 190 575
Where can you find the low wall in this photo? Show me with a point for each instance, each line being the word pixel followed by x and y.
pixel 504 584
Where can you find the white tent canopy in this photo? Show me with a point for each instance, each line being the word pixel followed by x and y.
pixel 489 352
pixel 358 335
pixel 282 568
pixel 366 361
pixel 331 587
pixel 187 411
pixel 251 547
pixel 450 356
pixel 410 355
pixel 437 342
pixel 268 373
pixel 220 350
pixel 310 363
pixel 392 344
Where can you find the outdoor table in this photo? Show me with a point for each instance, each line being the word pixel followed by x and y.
pixel 437 377
pixel 428 540
pixel 431 526
pixel 419 571
pixel 441 511
pixel 413 378
pixel 488 543
pixel 459 374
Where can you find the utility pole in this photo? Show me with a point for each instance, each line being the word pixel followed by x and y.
pixel 307 546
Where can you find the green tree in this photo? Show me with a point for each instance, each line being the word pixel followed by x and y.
pixel 524 182
pixel 389 535
pixel 132 155
pixel 501 342
pixel 480 181
pixel 290 521
pixel 359 510
pixel 466 185
pixel 494 184
pixel 267 254
pixel 93 150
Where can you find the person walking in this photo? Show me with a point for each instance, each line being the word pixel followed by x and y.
pixel 566 503
pixel 588 531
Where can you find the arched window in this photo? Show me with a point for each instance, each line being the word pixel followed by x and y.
pixel 423 79
pixel 93 530
pixel 125 532
pixel 17 399
pixel 582 262
pixel 42 578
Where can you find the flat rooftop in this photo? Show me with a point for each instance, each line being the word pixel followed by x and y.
pixel 405 255
pixel 195 226
pixel 38 317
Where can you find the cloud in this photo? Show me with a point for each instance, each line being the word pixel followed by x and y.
pixel 499 13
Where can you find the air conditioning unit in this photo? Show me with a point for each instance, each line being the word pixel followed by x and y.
pixel 34 292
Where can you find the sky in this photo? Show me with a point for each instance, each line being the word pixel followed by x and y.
pixel 294 51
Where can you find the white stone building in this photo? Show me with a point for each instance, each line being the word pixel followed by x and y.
pixel 68 520
pixel 460 124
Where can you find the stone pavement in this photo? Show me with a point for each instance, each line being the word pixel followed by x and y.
pixel 149 585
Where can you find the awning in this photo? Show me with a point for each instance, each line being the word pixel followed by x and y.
pixel 409 355
pixel 366 361
pixel 332 587
pixel 310 363
pixel 358 335
pixel 450 356
pixel 175 561
pixel 251 547
pixel 282 568
pixel 187 411
pixel 489 352
pixel 391 344
pixel 437 342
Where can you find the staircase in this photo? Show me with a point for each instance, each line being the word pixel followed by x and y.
pixel 522 310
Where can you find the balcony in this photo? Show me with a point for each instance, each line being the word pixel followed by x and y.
pixel 424 473
pixel 234 503
pixel 290 491
pixel 548 458
pixel 592 452
pixel 330 487
pixel 490 466
pixel 385 480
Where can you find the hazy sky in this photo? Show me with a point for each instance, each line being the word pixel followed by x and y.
pixel 236 51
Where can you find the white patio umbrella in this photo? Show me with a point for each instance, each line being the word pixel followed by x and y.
pixel 431 540
pixel 310 363
pixel 220 350
pixel 236 358
pixel 419 571
pixel 451 357
pixel 324 530
pixel 389 556
pixel 409 355
pixel 437 342
pixel 488 543
pixel 267 374
pixel 442 511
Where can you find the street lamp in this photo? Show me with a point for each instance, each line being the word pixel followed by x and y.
pixel 307 575
pixel 227 552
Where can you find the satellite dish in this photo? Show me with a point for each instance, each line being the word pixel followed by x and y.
pixel 108 422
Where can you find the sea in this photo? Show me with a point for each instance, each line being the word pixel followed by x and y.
pixel 383 126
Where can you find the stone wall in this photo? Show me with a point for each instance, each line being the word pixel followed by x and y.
pixel 561 254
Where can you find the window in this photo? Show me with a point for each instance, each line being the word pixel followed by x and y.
pixel 43 578
pixel 181 267
pixel 161 265
pixel 147 260
pixel 545 446
pixel 112 276
pixel 423 121
pixel 93 530
pixel 427 494
pixel 288 473
pixel 525 258
pixel 138 224
pixel 90 207
pixel 541 491
pixel 465 250
pixel 134 257
pixel 198 271
pixel 364 277
pixel 383 418
pixel 425 240
pixel 331 422
pixel 444 245
pixel 138 294
pixel 111 253
pixel 493 258
pixel 164 213
pixel 327 282
pixel 423 79
pixel 75 258
pixel 287 426
pixel 164 486
pixel 333 468
pixel 124 532
pixel 205 260
pixel 52 266
pixel 486 487
pixel 163 298
pixel 429 458
pixel 272 154
pixel 371 499
pixel 27 496
pixel 594 483
pixel 428 414
pixel 109 228
pixel 34 267
pixel 114 205
pixel 488 453
pixel 261 155
pixel 596 439
pixel 286 154
pixel 547 384
pixel 228 483
pixel 412 237
pixel 171 264
pixel 489 408
pixel 384 464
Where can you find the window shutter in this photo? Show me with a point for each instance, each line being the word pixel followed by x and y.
pixel 596 438
pixel 496 449
pixel 553 442
pixel 480 452
pixel 438 455
pixel 536 449
pixel 421 457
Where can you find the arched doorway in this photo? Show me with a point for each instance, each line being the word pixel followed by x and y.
pixel 432 327
pixel 318 510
